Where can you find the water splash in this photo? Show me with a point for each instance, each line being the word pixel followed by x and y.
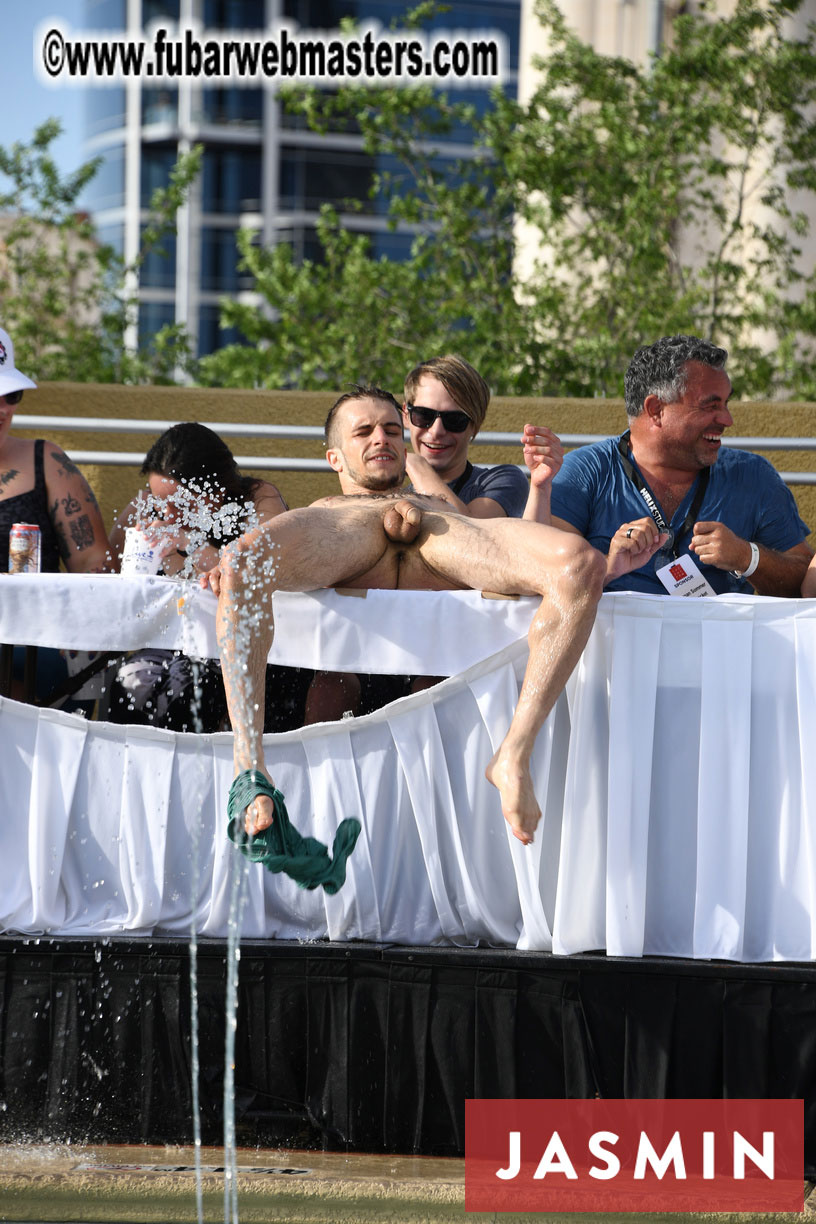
pixel 193 519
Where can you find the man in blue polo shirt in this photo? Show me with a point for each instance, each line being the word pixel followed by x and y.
pixel 669 494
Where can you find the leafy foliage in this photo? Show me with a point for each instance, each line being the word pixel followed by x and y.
pixel 67 300
pixel 675 196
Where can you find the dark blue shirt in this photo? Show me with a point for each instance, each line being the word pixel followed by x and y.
pixel 504 483
pixel 593 493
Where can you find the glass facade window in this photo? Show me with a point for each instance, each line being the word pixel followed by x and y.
pixel 107 187
pixel 234 14
pixel 306 245
pixel 391 244
pixel 105 15
pixel 219 262
pixel 332 176
pixel 294 121
pixel 104 110
pixel 232 178
pixel 210 336
pixel 327 14
pixel 501 15
pixel 158 269
pixel 153 316
pixel 303 241
pixel 157 162
pixel 159 10
pixel 112 236
pixel 231 181
pixel 160 106
pixel 243 107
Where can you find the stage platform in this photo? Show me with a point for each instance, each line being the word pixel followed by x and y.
pixel 374 1048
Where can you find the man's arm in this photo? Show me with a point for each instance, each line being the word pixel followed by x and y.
pixel 632 545
pixel 75 514
pixel 503 495
pixel 809 585
pixel 424 479
pixel 543 454
pixel 776 573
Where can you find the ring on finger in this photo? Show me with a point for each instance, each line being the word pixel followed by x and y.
pixel 629 533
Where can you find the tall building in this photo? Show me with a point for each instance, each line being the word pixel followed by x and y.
pixel 634 29
pixel 262 167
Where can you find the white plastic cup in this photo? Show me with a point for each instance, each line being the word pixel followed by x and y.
pixel 140 556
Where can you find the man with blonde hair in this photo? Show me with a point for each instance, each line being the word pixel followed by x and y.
pixel 445 406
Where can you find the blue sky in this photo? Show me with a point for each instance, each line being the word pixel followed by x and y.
pixel 26 102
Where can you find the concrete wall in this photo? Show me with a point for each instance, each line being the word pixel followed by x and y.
pixel 114 486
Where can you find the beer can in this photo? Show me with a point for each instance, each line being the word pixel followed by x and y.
pixel 24 548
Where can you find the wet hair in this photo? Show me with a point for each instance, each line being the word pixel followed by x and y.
pixel 660 369
pixel 464 385
pixel 357 391
pixel 194 455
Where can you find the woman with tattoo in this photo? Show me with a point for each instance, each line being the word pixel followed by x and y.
pixel 197 502
pixel 39 484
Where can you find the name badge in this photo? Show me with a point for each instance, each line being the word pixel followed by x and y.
pixel 682 577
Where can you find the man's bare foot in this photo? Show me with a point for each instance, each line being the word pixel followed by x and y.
pixel 259 815
pixel 402 521
pixel 515 786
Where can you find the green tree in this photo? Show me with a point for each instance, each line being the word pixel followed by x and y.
pixel 67 298
pixel 670 197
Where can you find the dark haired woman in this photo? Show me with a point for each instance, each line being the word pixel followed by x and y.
pixel 198 501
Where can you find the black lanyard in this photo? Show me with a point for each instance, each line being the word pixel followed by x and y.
pixel 652 506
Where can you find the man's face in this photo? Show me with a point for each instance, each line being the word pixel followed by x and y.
pixel 444 450
pixel 370 454
pixel 691 428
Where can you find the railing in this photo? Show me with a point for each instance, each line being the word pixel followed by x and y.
pixel 312 433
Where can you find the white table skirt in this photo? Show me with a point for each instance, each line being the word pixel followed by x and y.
pixel 435 632
pixel 678 793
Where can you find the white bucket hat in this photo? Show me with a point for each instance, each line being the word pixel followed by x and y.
pixel 10 377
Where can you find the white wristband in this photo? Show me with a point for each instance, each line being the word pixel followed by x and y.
pixel 754 562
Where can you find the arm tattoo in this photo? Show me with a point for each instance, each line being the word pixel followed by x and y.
pixel 70 504
pixel 8 476
pixel 66 466
pixel 62 542
pixel 82 533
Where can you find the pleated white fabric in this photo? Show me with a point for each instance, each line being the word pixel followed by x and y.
pixel 675 777
pixel 437 633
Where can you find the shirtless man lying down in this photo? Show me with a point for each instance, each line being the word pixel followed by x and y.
pixel 375 537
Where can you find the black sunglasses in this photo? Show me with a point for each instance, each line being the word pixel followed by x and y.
pixel 453 422
pixel 13 398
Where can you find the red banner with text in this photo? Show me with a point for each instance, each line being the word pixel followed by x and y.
pixel 634 1155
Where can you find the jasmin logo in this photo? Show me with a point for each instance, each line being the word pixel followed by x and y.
pixel 3 353
pixel 637 1155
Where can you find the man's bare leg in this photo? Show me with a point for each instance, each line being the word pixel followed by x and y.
pixel 303 550
pixel 332 696
pixel 513 557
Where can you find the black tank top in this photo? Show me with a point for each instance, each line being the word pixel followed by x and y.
pixel 31 507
